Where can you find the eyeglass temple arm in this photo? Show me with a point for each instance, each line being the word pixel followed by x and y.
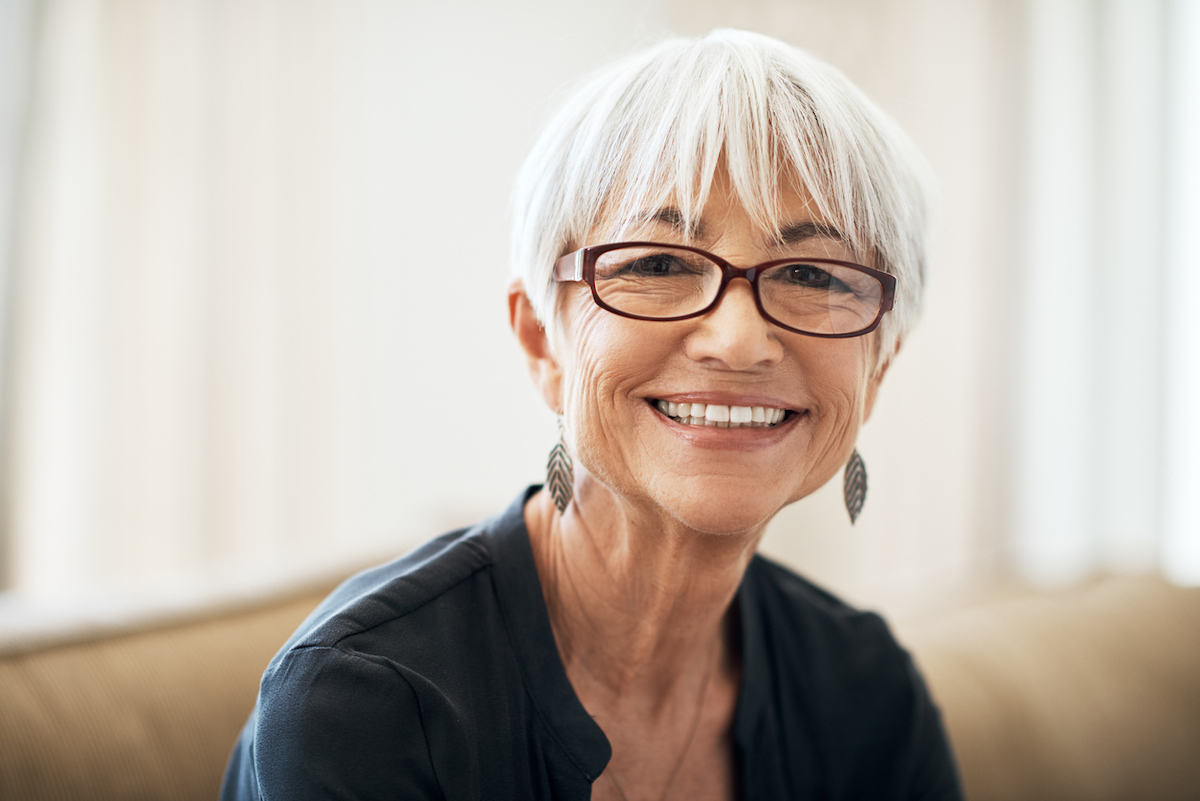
pixel 569 267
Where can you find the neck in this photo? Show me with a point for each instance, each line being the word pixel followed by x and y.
pixel 639 604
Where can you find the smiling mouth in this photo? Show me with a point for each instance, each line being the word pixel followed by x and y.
pixel 714 414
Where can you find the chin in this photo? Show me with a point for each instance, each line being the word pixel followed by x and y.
pixel 721 518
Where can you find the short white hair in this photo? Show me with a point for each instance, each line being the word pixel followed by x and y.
pixel 653 128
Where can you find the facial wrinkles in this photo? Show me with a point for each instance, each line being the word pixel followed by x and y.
pixel 843 401
pixel 590 393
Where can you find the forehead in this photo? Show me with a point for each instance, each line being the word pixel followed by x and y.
pixel 791 218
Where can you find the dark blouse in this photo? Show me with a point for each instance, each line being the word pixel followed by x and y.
pixel 437 676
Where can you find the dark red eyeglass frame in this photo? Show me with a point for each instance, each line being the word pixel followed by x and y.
pixel 580 266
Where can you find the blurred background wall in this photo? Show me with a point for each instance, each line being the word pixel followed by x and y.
pixel 254 259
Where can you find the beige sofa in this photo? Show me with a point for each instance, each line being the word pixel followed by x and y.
pixel 1090 694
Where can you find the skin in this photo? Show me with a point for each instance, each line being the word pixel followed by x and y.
pixel 640 570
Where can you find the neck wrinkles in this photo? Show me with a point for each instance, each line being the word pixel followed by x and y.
pixel 637 606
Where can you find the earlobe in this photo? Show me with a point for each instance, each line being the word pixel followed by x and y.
pixel 543 368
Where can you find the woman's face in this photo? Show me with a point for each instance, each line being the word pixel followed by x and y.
pixel 608 374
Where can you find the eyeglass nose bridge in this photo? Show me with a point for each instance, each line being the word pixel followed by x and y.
pixel 729 273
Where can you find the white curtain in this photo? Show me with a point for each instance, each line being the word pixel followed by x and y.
pixel 16 45
pixel 1181 445
pixel 260 323
pixel 1107 440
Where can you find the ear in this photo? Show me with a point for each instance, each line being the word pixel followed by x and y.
pixel 543 367
pixel 875 381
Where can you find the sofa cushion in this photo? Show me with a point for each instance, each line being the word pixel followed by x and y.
pixel 1091 693
pixel 149 714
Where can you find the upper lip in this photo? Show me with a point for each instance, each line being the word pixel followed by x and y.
pixel 727 399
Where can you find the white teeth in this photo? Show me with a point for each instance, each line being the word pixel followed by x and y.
pixel 715 414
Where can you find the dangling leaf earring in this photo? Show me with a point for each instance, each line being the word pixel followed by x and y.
pixel 560 473
pixel 854 485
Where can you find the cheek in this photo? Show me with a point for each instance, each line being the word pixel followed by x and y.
pixel 839 380
pixel 602 367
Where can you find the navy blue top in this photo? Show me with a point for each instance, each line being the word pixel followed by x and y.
pixel 437 677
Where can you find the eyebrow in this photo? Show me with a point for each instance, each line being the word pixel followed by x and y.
pixel 788 235
pixel 670 216
pixel 793 234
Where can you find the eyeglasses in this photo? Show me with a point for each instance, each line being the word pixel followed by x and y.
pixel 652 281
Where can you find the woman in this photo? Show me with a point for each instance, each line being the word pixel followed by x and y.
pixel 719 246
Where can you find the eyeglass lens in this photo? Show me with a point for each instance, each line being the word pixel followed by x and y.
pixel 814 296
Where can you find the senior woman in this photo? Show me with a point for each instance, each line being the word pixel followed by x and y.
pixel 719 246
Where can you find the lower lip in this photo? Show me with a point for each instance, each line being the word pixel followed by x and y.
pixel 743 438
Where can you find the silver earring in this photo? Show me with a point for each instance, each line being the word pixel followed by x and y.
pixel 854 485
pixel 560 473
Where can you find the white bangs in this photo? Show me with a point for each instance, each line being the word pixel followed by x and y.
pixel 653 130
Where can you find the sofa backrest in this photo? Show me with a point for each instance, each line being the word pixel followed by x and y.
pixel 148 714
pixel 1084 694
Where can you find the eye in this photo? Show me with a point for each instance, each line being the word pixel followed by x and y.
pixel 656 265
pixel 809 275
pixel 642 264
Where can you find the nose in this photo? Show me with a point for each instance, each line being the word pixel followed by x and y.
pixel 735 334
